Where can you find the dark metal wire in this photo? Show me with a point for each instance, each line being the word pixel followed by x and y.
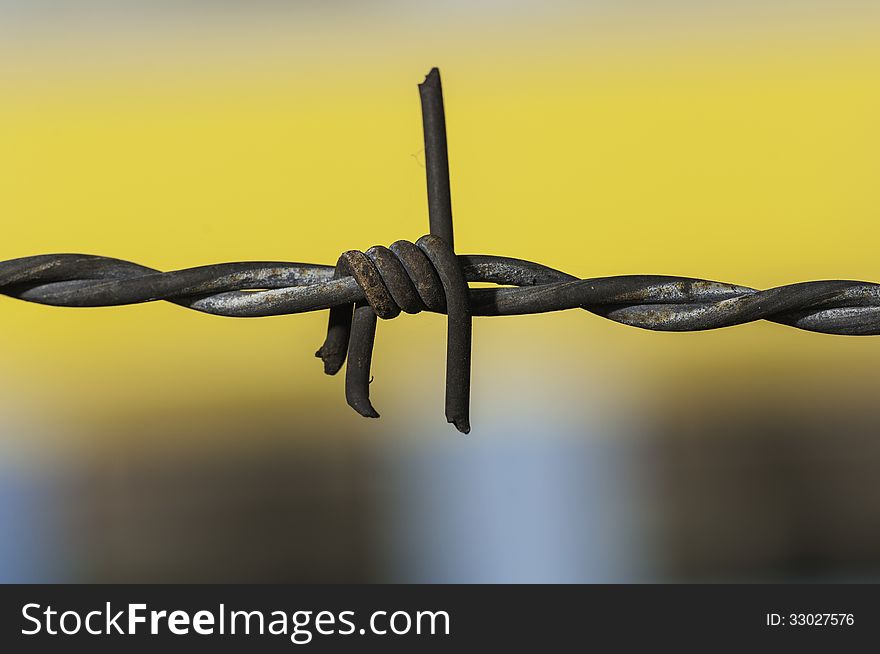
pixel 428 276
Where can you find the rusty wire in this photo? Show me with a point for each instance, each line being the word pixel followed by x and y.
pixel 429 276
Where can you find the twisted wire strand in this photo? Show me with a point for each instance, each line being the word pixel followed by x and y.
pixel 255 289
pixel 429 276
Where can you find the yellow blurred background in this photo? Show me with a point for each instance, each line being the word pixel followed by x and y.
pixel 737 143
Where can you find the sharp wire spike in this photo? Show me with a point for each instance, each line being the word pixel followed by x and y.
pixel 458 327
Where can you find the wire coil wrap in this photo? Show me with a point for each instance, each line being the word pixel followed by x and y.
pixel 405 277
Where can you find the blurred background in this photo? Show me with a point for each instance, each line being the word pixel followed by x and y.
pixel 734 141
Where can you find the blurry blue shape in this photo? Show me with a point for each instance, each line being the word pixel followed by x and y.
pixel 31 549
pixel 528 503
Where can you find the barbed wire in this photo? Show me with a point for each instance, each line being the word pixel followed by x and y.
pixel 429 276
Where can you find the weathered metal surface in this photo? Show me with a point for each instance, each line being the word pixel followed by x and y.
pixel 429 276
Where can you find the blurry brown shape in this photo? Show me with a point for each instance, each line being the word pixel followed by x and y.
pixel 253 504
pixel 763 486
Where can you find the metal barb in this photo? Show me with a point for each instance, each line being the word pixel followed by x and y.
pixel 458 328
pixel 436 157
pixel 428 276
pixel 388 288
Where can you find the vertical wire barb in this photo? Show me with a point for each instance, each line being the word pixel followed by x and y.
pixel 459 327
pixel 436 157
